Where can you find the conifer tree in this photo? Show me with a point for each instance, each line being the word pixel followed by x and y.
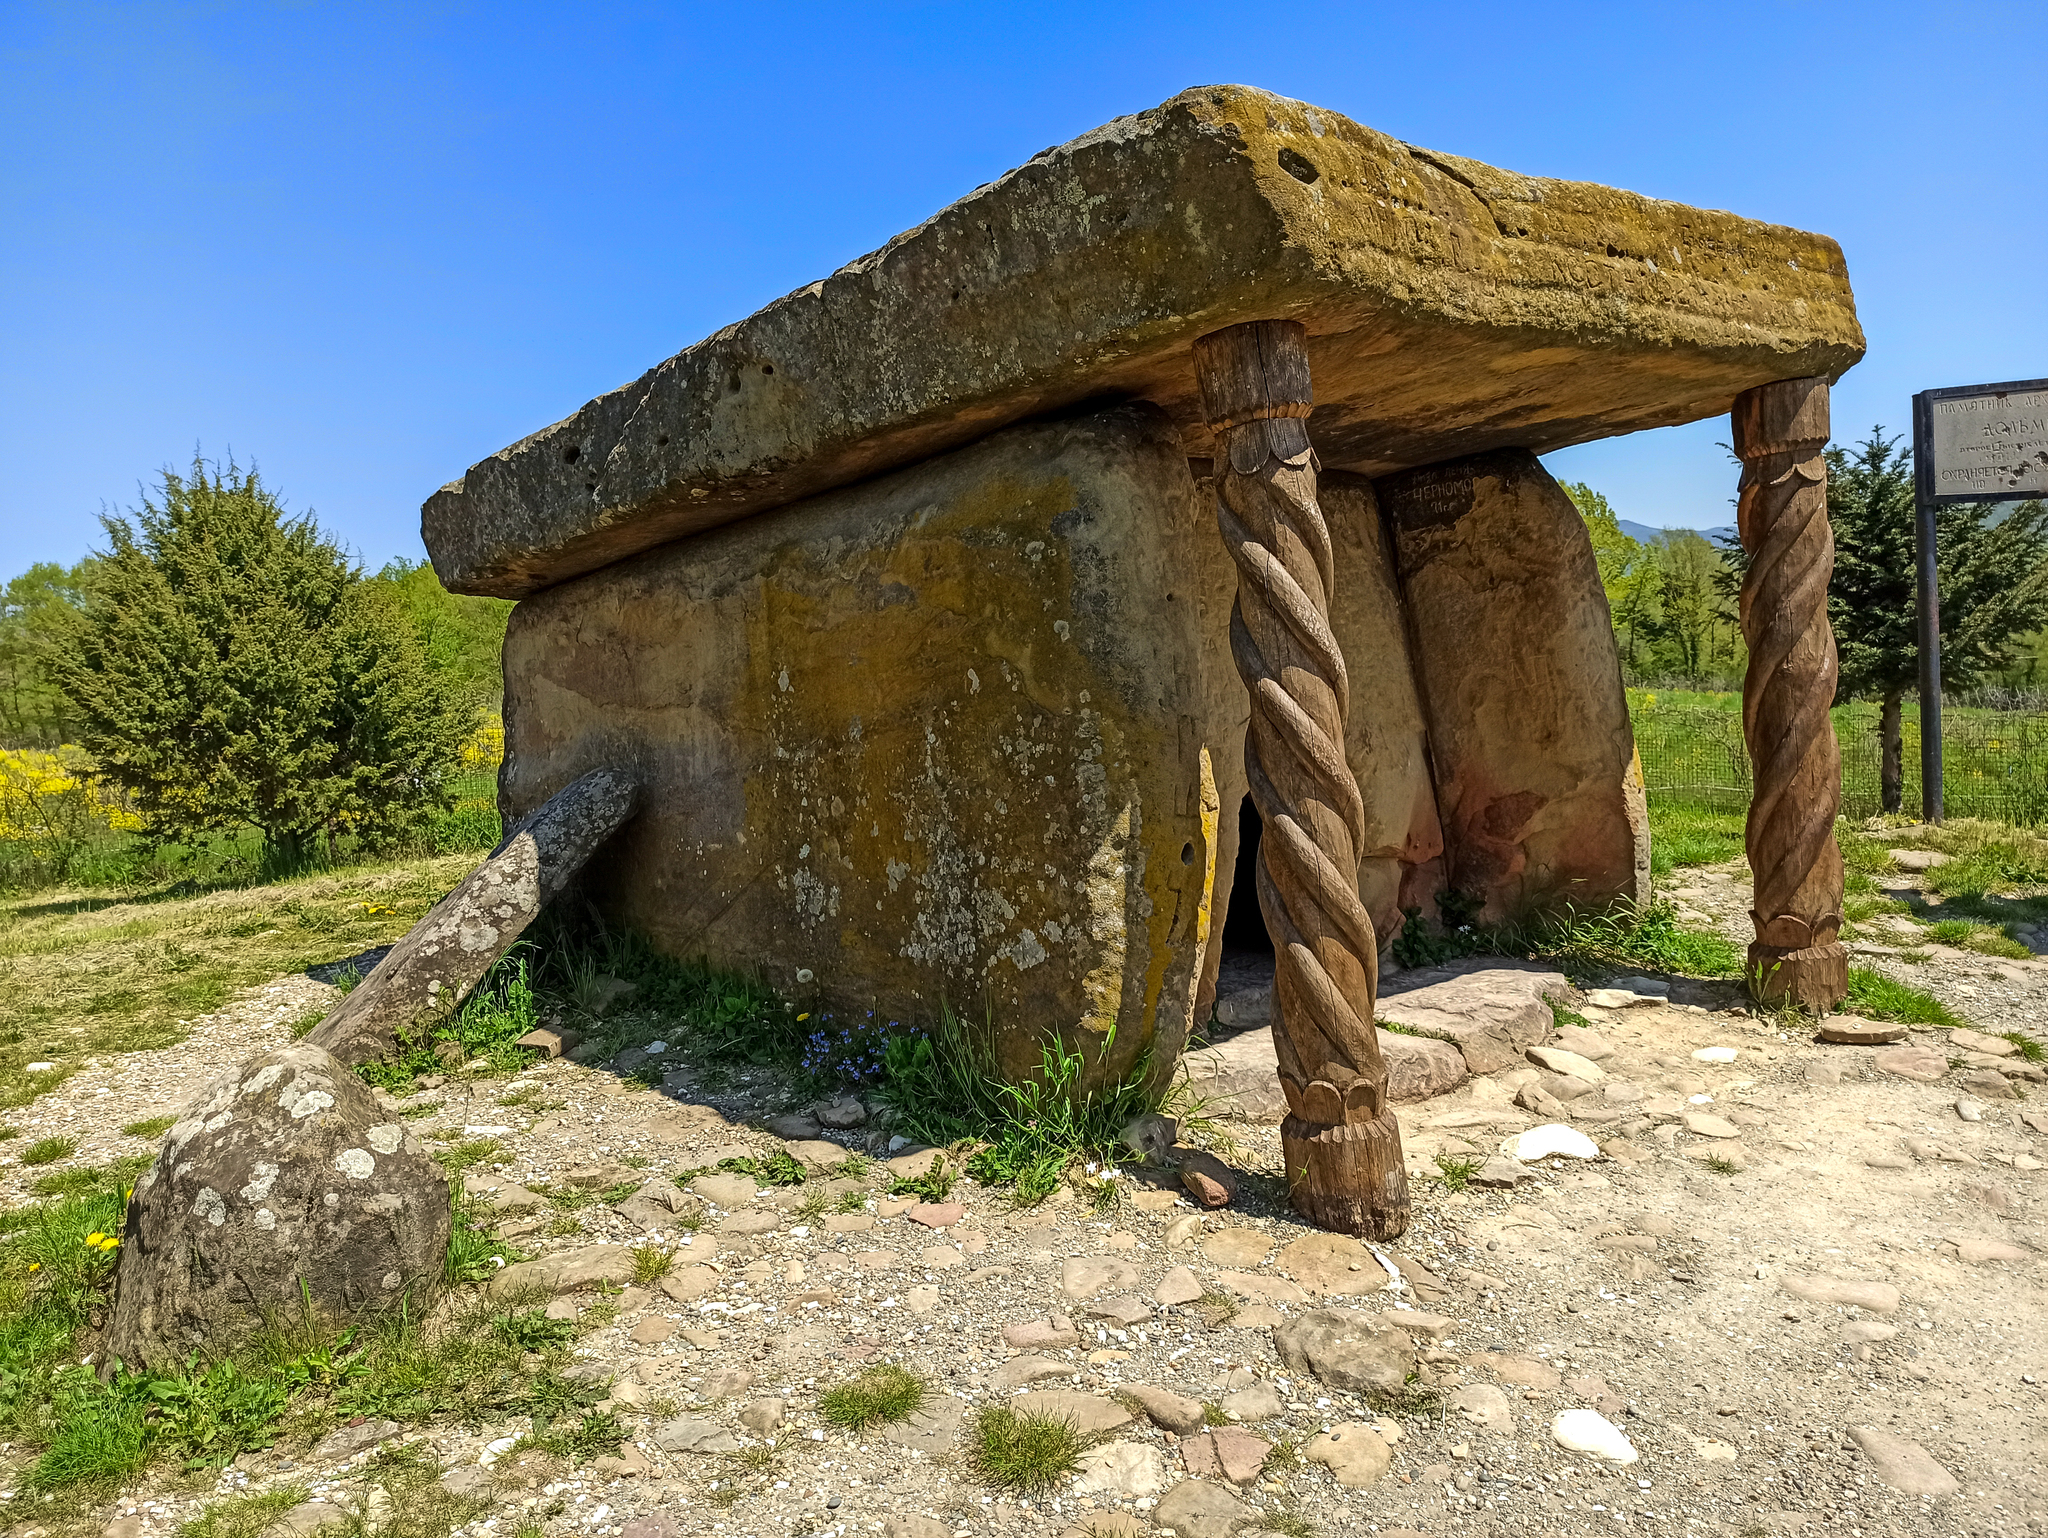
pixel 229 667
pixel 1993 579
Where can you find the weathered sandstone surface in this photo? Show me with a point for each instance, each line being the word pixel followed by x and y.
pixel 1536 779
pixel 286 1187
pixel 1451 308
pixel 942 738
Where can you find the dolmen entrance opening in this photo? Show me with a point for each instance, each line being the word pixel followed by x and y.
pixel 903 599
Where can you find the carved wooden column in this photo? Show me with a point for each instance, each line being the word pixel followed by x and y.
pixel 1341 1142
pixel 1780 430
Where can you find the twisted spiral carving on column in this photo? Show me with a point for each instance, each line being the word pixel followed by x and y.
pixel 1325 953
pixel 1780 431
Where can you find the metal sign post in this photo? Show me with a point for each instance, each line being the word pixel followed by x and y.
pixel 1974 443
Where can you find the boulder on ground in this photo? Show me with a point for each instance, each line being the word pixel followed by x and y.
pixel 1346 1349
pixel 1492 1010
pixel 285 1185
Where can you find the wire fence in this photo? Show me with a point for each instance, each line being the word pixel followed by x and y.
pixel 1994 763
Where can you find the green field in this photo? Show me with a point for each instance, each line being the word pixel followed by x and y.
pixel 1994 763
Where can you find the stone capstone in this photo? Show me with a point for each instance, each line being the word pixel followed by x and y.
pixel 1453 307
pixel 285 1182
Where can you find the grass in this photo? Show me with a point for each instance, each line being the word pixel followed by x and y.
pixel 1982 938
pixel 1411 1398
pixel 118 1176
pixel 244 1516
pixel 651 1263
pixel 1288 1524
pixel 595 1433
pixel 1877 997
pixel 877 1397
pixel 48 1150
pixel 1722 1165
pixel 155 1126
pixel 79 1438
pixel 1457 1173
pixel 2030 1050
pixel 1024 1453
pixel 779 1168
pixel 84 972
pixel 945 1087
pixel 1645 938
pixel 467 1154
pixel 475 1252
pixel 487 1027
pixel 933 1185
pixel 1682 835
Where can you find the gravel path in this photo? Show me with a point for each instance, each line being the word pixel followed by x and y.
pixel 1801 1285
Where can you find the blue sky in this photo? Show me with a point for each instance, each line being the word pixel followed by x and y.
pixel 368 245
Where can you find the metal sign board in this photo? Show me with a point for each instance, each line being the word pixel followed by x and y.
pixel 1982 443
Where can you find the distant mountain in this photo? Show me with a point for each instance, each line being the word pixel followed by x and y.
pixel 1643 531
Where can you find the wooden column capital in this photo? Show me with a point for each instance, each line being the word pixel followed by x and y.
pixel 1782 508
pixel 1341 1142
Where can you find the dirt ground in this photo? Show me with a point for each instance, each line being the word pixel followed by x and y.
pixel 1820 1311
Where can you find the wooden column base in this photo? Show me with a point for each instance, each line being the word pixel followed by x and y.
pixel 1816 978
pixel 1347 1178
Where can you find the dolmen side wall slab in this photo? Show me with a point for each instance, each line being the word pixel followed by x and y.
pixel 970 735
pixel 1536 777
pixel 945 737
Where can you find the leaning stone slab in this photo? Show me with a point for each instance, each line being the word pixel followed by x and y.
pixel 444 955
pixel 1452 307
pixel 285 1183
pixel 1492 1011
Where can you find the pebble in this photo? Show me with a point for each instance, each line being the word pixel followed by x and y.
pixel 1357 1456
pixel 1590 1432
pixel 1542 1142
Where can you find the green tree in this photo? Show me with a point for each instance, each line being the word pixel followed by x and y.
pixel 1993 578
pixel 464 636
pixel 33 607
pixel 1624 568
pixel 1688 614
pixel 229 667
